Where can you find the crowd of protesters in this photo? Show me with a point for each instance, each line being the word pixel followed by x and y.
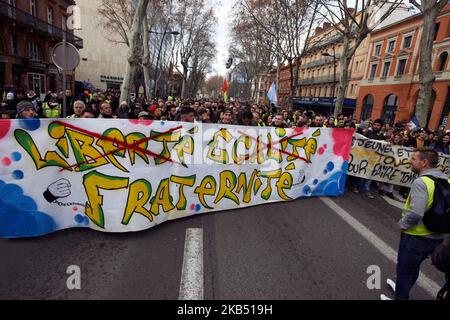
pixel 107 105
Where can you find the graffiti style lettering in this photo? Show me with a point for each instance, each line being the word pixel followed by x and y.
pixel 309 146
pixel 247 143
pixel 162 198
pixel 227 184
pixel 109 147
pixel 82 146
pixel 51 159
pixel 284 183
pixel 164 138
pixel 138 197
pixel 134 139
pixel 185 145
pixel 222 156
pixel 94 181
pixel 247 188
pixel 206 188
pixel 182 181
pixel 269 175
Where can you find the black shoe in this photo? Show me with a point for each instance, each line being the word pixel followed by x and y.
pixel 390 195
pixel 381 192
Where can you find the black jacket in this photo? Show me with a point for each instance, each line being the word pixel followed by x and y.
pixel 374 135
pixel 441 257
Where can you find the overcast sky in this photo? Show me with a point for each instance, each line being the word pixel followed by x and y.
pixel 223 10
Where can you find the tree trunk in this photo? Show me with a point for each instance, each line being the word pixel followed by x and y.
pixel 133 51
pixel 291 85
pixel 278 78
pixel 183 84
pixel 146 60
pixel 426 74
pixel 344 62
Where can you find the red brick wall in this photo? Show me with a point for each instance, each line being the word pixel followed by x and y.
pixel 407 93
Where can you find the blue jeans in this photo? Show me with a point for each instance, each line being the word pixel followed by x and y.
pixel 366 185
pixel 413 250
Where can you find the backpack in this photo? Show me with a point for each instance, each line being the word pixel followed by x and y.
pixel 437 218
pixel 440 258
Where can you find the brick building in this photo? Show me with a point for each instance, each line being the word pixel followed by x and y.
pixel 319 74
pixel 30 29
pixel 390 86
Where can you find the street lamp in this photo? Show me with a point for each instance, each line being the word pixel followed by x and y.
pixel 174 33
pixel 326 54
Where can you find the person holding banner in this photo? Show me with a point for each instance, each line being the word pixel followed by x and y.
pixel 374 134
pixel 387 189
pixel 417 242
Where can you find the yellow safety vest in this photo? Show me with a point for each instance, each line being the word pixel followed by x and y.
pixel 51 113
pixel 421 230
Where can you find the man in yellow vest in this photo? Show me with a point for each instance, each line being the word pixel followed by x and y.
pixel 52 109
pixel 417 242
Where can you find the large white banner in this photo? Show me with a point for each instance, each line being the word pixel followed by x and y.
pixel 129 175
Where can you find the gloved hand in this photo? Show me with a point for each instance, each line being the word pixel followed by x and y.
pixel 58 189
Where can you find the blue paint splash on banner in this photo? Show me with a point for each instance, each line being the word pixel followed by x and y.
pixel 19 216
pixel 332 186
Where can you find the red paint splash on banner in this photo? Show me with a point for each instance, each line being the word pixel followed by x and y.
pixel 5 125
pixel 343 142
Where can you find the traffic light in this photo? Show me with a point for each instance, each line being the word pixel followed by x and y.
pixel 229 63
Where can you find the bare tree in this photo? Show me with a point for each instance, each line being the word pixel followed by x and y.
pixel 134 49
pixel 202 56
pixel 251 47
pixel 146 62
pixel 354 24
pixel 430 10
pixel 195 20
pixel 289 24
pixel 116 18
pixel 213 85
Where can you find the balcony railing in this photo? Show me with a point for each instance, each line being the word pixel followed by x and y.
pixel 320 62
pixel 10 12
pixel 317 80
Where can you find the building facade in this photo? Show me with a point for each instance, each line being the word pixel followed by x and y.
pixel 390 87
pixel 103 58
pixel 319 74
pixel 30 29
pixel 320 69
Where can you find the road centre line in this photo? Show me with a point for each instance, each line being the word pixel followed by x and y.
pixel 191 284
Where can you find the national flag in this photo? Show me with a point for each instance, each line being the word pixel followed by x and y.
pixel 225 90
pixel 272 94
pixel 414 123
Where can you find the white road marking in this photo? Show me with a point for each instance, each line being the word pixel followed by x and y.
pixel 394 203
pixel 424 282
pixel 191 285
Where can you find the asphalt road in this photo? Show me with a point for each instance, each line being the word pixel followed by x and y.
pixel 294 250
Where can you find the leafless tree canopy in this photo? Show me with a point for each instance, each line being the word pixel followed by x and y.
pixel 195 47
pixel 284 27
pixel 116 18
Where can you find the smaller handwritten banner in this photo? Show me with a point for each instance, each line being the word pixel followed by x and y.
pixel 384 162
